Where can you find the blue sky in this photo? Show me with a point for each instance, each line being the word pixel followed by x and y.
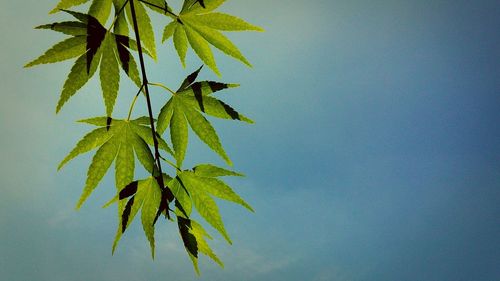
pixel 375 154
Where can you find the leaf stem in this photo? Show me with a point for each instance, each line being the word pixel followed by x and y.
pixel 162 86
pixel 133 102
pixel 146 89
pixel 165 9
pixel 118 14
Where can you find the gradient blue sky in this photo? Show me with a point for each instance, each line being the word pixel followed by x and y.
pixel 375 155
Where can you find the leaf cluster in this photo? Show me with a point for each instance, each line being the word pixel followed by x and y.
pixel 101 40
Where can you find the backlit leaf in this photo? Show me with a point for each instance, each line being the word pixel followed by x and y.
pixel 66 4
pixel 77 77
pixel 168 31
pixel 201 26
pixel 214 107
pixel 145 28
pixel 201 48
pixel 74 28
pixel 206 207
pixel 179 133
pixel 208 170
pixel 90 141
pixel 225 22
pixel 149 209
pixel 98 168
pixel 143 153
pixel 205 131
pixel 218 40
pixel 109 73
pixel 217 188
pixel 100 9
pixel 180 43
pixel 67 49
pixel 165 116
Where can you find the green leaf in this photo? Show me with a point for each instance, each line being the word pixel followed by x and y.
pixel 214 107
pixel 164 117
pixel 67 27
pixel 187 5
pixel 225 22
pixel 210 5
pixel 201 27
pixel 67 49
pixel 99 121
pixel 145 27
pixel 124 170
pixel 159 6
pixel 146 199
pixel 189 79
pixel 150 207
pixel 144 120
pixel 125 164
pixel 100 9
pixel 119 140
pixel 145 133
pixel 205 88
pixel 109 73
pixel 181 44
pixel 189 240
pixel 201 48
pixel 169 31
pixel 194 238
pixel 121 25
pixel 208 170
pixel 66 4
pixel 90 49
pixel 180 193
pixel 218 40
pixel 179 133
pixel 199 232
pixel 143 153
pixel 206 207
pixel 90 141
pixel 127 61
pixel 191 99
pixel 98 168
pixel 214 187
pixel 77 77
pixel 205 131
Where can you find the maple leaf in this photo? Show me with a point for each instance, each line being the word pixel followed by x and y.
pixel 145 195
pixel 187 106
pixel 94 46
pixel 115 139
pixel 197 187
pixel 199 27
pixel 194 237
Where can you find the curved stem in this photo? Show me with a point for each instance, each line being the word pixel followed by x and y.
pixel 146 90
pixel 133 103
pixel 162 86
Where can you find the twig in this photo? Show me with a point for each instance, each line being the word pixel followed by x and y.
pixel 146 89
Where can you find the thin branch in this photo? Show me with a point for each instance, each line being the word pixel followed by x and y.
pixel 146 89
pixel 118 14
pixel 165 9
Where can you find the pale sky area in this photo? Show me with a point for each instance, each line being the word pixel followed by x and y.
pixel 375 155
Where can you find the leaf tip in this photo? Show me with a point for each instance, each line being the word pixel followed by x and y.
pixel 28 65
